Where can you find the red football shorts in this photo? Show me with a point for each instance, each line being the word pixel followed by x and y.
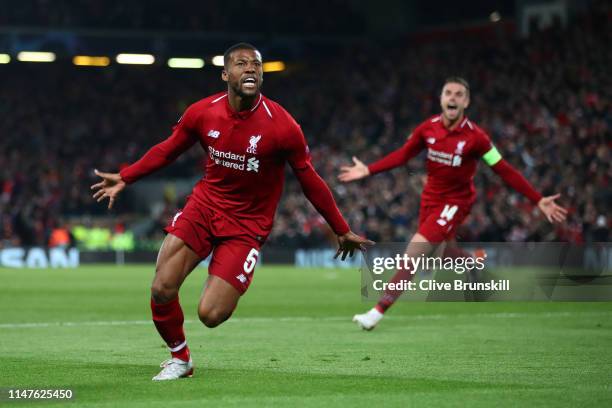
pixel 439 222
pixel 234 251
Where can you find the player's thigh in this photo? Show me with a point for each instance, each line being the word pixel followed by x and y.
pixel 419 245
pixel 231 270
pixel 234 261
pixel 174 262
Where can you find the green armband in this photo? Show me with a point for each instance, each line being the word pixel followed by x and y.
pixel 492 156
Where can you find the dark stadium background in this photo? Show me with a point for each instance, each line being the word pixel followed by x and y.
pixel 359 76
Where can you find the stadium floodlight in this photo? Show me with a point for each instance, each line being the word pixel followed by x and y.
pixel 36 56
pixel 495 17
pixel 186 63
pixel 86 60
pixel 273 66
pixel 5 58
pixel 218 60
pixel 135 59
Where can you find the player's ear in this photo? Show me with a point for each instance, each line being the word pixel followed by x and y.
pixel 224 76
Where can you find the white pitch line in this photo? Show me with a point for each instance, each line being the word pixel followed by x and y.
pixel 508 315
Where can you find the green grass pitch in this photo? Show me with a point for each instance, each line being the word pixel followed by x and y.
pixel 291 342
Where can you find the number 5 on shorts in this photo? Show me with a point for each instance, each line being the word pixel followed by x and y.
pixel 251 260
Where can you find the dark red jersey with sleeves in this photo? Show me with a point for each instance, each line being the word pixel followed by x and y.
pixel 247 152
pixel 452 158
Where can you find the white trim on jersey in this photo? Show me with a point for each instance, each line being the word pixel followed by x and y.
pixel 258 102
pixel 436 119
pixel 466 121
pixel 219 98
pixel 267 110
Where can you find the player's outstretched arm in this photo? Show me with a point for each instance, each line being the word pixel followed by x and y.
pixel 319 194
pixel 551 210
pixel 397 158
pixel 110 187
pixel 355 172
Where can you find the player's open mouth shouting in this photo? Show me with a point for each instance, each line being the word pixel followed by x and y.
pixel 249 83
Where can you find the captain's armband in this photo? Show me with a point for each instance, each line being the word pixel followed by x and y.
pixel 492 157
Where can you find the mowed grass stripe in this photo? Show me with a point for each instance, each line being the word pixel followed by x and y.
pixel 267 320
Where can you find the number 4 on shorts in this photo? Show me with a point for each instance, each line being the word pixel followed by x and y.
pixel 447 214
pixel 251 260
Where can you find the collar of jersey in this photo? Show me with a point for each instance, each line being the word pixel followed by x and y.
pixel 456 130
pixel 244 114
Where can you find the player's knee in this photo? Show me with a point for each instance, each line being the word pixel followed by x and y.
pixel 213 317
pixel 162 292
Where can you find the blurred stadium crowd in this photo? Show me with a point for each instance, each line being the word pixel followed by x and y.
pixel 545 100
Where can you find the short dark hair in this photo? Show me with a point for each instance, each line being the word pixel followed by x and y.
pixel 235 47
pixel 457 80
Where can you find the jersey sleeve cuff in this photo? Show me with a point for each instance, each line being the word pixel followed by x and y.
pixel 342 229
pixel 125 176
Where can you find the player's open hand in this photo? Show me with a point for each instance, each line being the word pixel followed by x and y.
pixel 110 186
pixel 349 242
pixel 355 172
pixel 552 211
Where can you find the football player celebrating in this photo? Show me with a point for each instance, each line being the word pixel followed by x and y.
pixel 248 139
pixel 454 146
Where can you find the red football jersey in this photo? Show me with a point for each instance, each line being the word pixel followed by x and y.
pixel 452 158
pixel 247 152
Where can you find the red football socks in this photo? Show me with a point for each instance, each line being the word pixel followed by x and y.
pixel 168 319
pixel 391 296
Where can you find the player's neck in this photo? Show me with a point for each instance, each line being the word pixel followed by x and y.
pixel 451 125
pixel 241 103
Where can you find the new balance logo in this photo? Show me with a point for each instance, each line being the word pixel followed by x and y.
pixel 253 165
pixel 241 278
pixel 431 140
pixel 214 134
